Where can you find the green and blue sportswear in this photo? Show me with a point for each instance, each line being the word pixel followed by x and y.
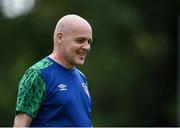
pixel 54 96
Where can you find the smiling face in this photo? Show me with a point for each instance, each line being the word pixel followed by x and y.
pixel 74 43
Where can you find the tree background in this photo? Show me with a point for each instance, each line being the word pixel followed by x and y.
pixel 132 67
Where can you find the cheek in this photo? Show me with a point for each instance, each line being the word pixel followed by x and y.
pixel 71 51
pixel 71 48
pixel 89 49
pixel 74 47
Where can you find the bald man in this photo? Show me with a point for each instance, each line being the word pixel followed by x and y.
pixel 53 92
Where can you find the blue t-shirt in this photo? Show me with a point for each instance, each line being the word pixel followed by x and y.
pixel 54 96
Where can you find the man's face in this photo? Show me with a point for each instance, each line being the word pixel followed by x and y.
pixel 76 45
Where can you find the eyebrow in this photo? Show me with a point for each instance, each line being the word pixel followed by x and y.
pixel 84 38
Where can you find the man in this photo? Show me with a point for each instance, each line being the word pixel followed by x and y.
pixel 53 92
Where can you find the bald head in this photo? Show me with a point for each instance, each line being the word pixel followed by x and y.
pixel 72 39
pixel 71 23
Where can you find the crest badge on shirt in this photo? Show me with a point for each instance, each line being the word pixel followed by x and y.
pixel 85 88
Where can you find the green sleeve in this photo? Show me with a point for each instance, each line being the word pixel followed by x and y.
pixel 31 93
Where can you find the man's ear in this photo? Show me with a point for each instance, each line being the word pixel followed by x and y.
pixel 59 37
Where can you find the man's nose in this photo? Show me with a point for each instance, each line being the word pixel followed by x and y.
pixel 86 46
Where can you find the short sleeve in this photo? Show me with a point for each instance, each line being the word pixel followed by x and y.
pixel 31 93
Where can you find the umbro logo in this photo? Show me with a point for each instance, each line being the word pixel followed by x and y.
pixel 62 87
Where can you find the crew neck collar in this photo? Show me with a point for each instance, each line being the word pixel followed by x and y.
pixel 58 64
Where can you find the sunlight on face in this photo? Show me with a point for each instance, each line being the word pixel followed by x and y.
pixel 15 8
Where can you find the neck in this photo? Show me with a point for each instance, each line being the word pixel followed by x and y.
pixel 61 60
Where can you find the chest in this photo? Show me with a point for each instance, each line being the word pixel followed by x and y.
pixel 67 91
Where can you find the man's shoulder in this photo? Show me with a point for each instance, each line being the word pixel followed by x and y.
pixel 34 75
pixel 42 64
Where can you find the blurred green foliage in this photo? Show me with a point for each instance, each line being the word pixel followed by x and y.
pixel 131 68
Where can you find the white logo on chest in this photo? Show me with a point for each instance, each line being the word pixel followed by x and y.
pixel 62 87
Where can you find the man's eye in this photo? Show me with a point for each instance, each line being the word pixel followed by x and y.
pixel 89 41
pixel 79 41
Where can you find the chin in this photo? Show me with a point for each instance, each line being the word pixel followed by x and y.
pixel 81 62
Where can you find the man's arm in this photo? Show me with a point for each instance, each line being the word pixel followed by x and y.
pixel 22 120
pixel 30 95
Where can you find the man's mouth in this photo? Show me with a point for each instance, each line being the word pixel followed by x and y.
pixel 81 53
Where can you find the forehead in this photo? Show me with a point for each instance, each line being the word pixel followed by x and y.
pixel 73 26
pixel 80 31
pixel 82 35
